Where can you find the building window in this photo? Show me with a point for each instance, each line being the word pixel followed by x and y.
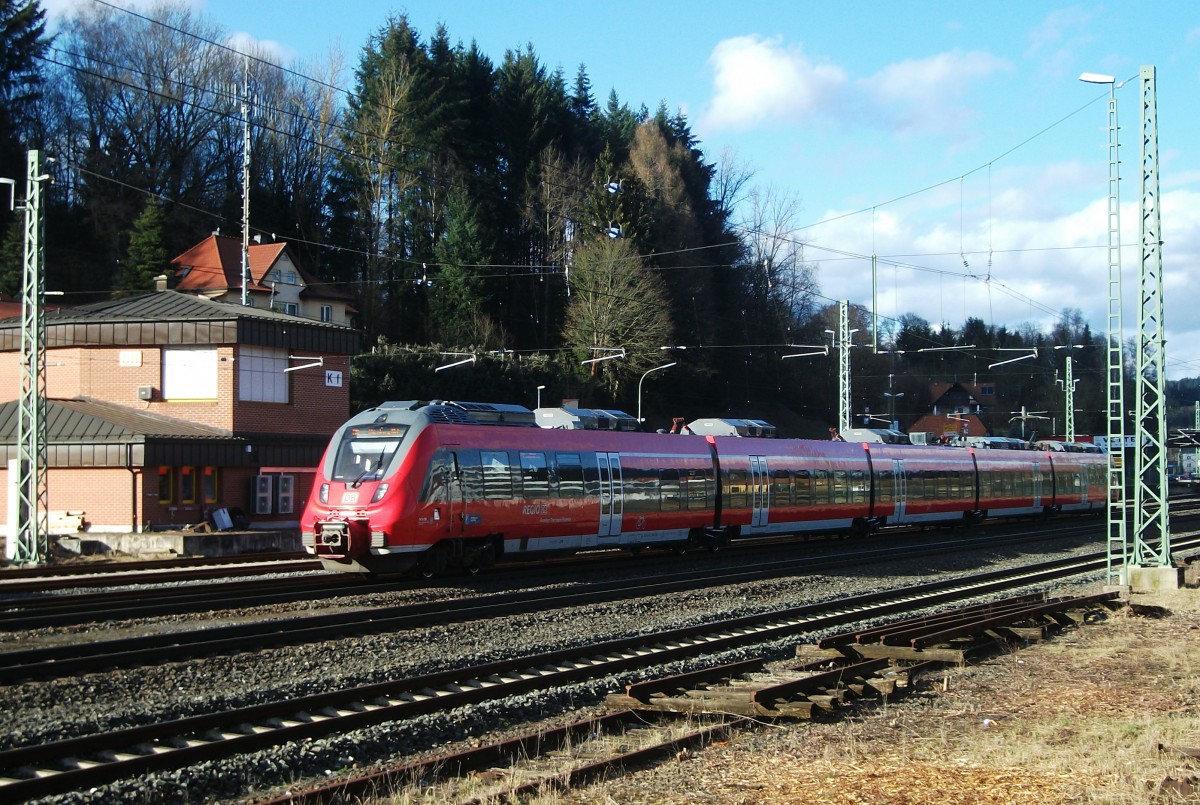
pixel 187 484
pixel 291 308
pixel 261 376
pixel 189 374
pixel 326 312
pixel 166 485
pixel 290 278
pixel 210 485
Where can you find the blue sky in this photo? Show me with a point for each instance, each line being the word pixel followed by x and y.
pixel 953 140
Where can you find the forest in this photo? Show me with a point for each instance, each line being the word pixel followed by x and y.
pixel 570 248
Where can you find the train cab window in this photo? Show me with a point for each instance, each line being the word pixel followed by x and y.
pixel 669 490
pixel 434 488
pixel 781 488
pixel 570 475
pixel 366 451
pixel 535 478
pixel 803 487
pixel 497 475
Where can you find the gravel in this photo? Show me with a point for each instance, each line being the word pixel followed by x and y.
pixel 63 708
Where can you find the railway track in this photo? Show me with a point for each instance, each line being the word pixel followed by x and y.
pixel 23 608
pixel 111 574
pixel 84 762
pixel 75 658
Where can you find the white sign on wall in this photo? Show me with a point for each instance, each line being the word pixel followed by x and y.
pixel 333 378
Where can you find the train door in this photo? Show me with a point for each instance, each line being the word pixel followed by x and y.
pixel 455 499
pixel 612 499
pixel 901 491
pixel 759 485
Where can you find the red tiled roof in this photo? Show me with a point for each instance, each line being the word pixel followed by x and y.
pixel 942 424
pixel 215 264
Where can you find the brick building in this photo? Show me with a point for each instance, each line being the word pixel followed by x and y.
pixel 164 407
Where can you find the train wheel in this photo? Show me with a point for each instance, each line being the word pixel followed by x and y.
pixel 433 562
pixel 482 559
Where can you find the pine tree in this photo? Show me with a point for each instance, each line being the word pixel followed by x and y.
pixel 147 256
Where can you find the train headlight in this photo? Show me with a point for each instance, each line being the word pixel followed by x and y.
pixel 380 491
pixel 323 495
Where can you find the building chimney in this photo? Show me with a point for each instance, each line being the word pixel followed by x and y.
pixel 160 282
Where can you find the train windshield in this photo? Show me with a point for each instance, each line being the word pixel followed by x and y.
pixel 366 451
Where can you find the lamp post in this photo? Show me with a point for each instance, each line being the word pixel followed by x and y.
pixel 539 396
pixel 647 372
pixel 891 398
pixel 1118 547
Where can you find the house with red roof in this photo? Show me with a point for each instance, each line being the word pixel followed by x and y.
pixel 276 281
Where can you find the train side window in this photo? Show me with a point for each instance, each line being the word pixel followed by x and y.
pixel 915 484
pixel 535 478
pixel 953 485
pixel 803 488
pixel 858 486
pixel 738 480
pixel 497 475
pixel 885 489
pixel 840 486
pixel 695 487
pixel 570 475
pixel 781 488
pixel 820 486
pixel 669 490
pixel 640 486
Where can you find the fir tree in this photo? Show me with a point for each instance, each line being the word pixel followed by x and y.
pixel 147 256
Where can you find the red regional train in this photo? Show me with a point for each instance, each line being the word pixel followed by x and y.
pixel 436 485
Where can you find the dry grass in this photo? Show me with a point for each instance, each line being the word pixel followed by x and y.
pixel 1077 719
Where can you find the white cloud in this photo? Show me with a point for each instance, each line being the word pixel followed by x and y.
pixel 267 49
pixel 922 94
pixel 757 79
pixel 1042 263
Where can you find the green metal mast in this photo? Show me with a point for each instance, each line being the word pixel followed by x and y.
pixel 1151 533
pixel 30 545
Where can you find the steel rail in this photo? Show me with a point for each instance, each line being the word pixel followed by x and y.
pixel 87 761
pixel 57 661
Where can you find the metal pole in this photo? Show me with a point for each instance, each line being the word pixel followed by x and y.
pixel 1152 534
pixel 32 527
pixel 1069 392
pixel 843 366
pixel 648 371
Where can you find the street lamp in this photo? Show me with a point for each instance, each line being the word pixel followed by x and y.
pixel 539 396
pixel 1115 398
pixel 648 371
pixel 891 398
